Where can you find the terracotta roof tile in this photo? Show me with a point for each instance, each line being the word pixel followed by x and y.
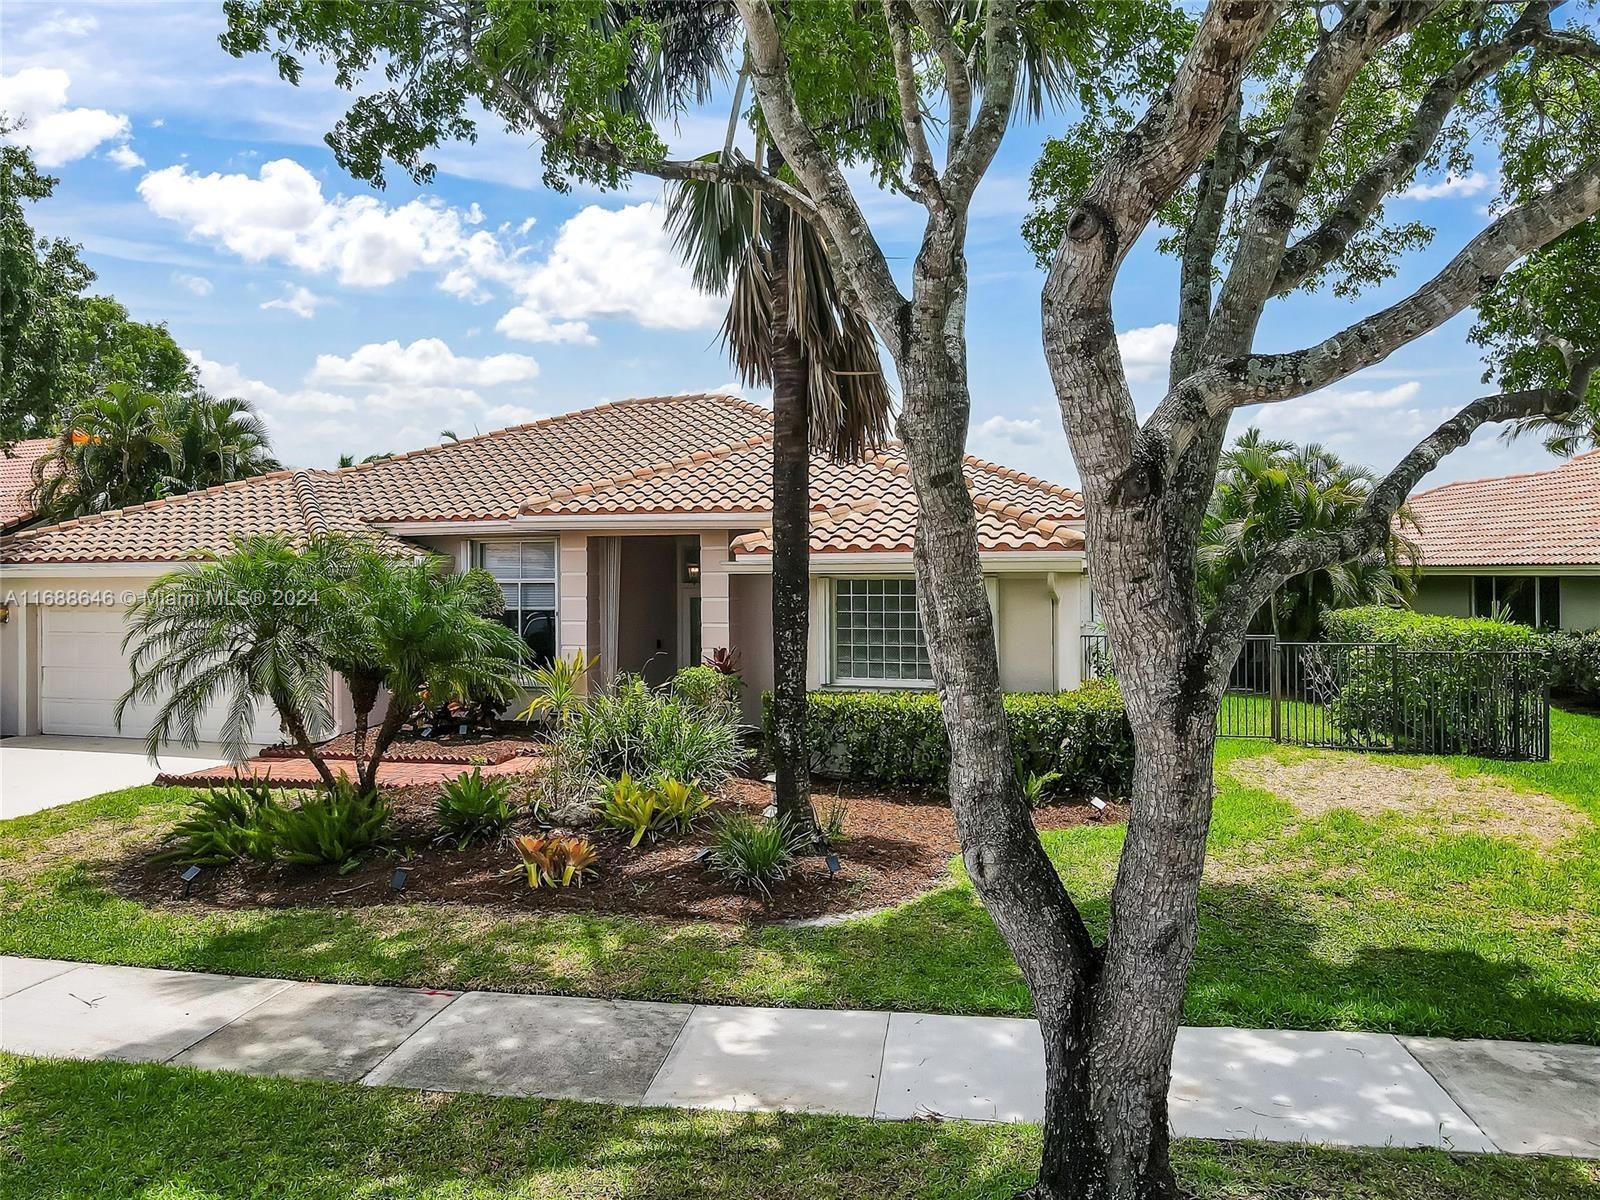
pixel 16 479
pixel 1544 518
pixel 654 456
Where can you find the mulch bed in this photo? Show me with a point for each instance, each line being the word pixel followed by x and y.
pixel 897 847
pixel 469 750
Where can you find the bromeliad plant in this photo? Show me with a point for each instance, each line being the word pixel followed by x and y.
pixel 471 808
pixel 627 805
pixel 557 861
pixel 680 804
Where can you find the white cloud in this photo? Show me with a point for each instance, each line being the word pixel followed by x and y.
pixel 1367 424
pixel 1451 185
pixel 609 263
pixel 124 156
pixel 426 362
pixel 281 213
pixel 198 284
pixel 1010 431
pixel 1146 352
pixel 302 302
pixel 62 24
pixel 36 98
pixel 226 379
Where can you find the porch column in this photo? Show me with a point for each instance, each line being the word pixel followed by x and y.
pixel 1066 601
pixel 572 597
pixel 715 609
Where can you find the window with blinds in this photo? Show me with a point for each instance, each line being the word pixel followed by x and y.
pixel 526 572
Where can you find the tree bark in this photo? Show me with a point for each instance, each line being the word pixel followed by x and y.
pixel 791 535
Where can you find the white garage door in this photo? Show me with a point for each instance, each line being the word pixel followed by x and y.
pixel 83 672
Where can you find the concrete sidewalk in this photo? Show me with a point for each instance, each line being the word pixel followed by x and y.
pixel 1351 1089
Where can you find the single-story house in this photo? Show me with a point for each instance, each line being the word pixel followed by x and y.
pixel 16 481
pixel 1528 545
pixel 638 530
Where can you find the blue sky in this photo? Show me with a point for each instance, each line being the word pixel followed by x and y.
pixel 362 321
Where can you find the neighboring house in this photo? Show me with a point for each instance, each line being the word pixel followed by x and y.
pixel 16 481
pixel 1528 545
pixel 638 530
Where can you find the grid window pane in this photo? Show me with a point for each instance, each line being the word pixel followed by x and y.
pixel 877 636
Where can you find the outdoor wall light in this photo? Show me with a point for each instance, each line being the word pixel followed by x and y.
pixel 5 613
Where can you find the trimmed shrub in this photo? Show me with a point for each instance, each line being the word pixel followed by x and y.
pixel 1575 661
pixel 1444 689
pixel 897 739
pixel 705 687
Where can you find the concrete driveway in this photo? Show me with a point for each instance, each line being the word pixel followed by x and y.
pixel 41 772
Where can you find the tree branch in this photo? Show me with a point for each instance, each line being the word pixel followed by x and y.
pixel 957 79
pixel 1216 181
pixel 1325 243
pixel 839 215
pixel 1003 54
pixel 1373 524
pixel 1328 77
pixel 924 174
pixel 1272 378
pixel 1177 131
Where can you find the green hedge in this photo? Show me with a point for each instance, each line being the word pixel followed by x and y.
pixel 897 739
pixel 1575 661
pixel 1444 691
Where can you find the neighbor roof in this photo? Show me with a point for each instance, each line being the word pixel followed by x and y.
pixel 652 457
pixel 16 480
pixel 1541 519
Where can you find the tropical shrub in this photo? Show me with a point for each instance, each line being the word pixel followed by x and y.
pixel 1428 682
pixel 224 825
pixel 705 687
pixel 558 689
pixel 338 827
pixel 830 820
pixel 753 854
pixel 897 739
pixel 557 861
pixel 471 808
pixel 1575 661
pixel 681 804
pixel 638 731
pixel 627 805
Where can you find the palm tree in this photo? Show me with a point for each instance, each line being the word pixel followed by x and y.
pixel 790 327
pixel 127 447
pixel 410 626
pixel 216 440
pixel 213 633
pixel 1268 489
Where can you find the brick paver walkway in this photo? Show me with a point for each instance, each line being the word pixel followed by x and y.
pixel 299 771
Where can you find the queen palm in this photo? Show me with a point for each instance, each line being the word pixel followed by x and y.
pixel 790 327
pixel 215 439
pixel 1268 489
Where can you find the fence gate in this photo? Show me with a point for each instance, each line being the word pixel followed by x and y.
pixel 1378 696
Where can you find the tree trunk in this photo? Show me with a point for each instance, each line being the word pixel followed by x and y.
pixel 791 533
pixel 296 726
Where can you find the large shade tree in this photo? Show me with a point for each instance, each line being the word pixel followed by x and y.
pixel 1267 137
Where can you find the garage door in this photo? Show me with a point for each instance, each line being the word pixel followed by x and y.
pixel 83 672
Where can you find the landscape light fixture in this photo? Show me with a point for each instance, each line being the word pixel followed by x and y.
pixel 397 881
pixel 1098 805
pixel 702 854
pixel 832 863
pixel 770 811
pixel 188 878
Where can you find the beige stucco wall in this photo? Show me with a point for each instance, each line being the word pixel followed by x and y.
pixel 1580 602
pixel 1026 623
pixel 750 631
pixel 1444 595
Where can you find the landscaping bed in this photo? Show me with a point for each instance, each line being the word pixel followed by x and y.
pixel 897 847
pixel 485 748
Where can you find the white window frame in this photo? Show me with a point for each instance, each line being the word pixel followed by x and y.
pixel 867 682
pixel 477 557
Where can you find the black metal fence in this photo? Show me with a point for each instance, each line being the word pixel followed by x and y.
pixel 1378 696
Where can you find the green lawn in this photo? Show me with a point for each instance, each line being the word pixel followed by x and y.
pixel 1387 922
pixel 86 1130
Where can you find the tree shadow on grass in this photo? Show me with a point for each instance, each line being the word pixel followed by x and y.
pixel 118 1130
